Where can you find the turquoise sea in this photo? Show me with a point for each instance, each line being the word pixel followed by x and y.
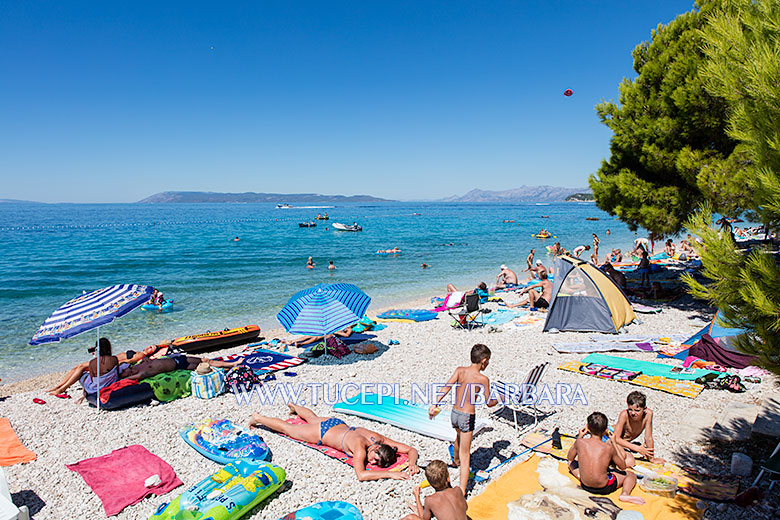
pixel 52 252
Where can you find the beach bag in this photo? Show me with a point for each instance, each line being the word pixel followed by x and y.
pixel 241 378
pixel 337 347
pixel 206 386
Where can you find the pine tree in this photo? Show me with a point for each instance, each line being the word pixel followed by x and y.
pixel 742 43
pixel 670 149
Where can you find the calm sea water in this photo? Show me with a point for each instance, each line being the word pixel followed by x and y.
pixel 50 253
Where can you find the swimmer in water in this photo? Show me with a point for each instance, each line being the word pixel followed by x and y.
pixel 310 263
pixel 236 239
pixel 424 265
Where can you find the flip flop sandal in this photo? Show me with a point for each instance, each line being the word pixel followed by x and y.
pixel 62 396
pixel 290 374
pixel 38 401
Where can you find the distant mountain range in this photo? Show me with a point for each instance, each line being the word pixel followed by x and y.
pixel 279 198
pixel 521 194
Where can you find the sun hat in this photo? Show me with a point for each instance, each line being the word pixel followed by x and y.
pixel 203 369
pixel 538 262
pixel 502 266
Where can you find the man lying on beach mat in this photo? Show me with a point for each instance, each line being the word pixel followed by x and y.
pixel 151 367
pixel 363 445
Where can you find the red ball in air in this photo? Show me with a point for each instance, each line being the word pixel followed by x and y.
pixel 568 92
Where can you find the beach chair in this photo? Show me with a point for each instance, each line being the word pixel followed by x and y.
pixel 466 314
pixel 771 466
pixel 515 396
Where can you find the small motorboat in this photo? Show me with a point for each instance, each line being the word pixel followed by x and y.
pixel 283 206
pixel 344 227
pixel 591 218
pixel 307 224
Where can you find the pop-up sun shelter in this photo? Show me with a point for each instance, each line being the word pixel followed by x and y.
pixel 586 299
pixel 717 330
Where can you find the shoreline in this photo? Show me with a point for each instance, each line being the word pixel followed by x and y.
pixel 419 301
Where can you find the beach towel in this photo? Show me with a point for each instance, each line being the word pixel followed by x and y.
pixel 688 389
pixel 691 482
pixel 500 317
pixel 264 361
pixel 452 299
pixel 11 449
pixel 524 479
pixel 607 346
pixel 710 350
pixel 672 351
pixel 668 338
pixel 644 309
pixel 356 338
pixel 118 478
pixel 529 320
pixel 647 368
pixel 169 386
pixel 400 464
pixel 407 315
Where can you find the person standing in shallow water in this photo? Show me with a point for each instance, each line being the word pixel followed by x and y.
pixel 310 263
pixel 331 267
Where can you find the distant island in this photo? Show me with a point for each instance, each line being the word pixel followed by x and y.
pixel 208 196
pixel 580 197
pixel 521 194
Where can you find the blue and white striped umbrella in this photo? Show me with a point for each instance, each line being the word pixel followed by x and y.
pixel 323 309
pixel 91 310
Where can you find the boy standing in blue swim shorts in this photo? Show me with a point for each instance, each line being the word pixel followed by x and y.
pixel 468 382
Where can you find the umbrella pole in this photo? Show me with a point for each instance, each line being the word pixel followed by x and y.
pixel 97 363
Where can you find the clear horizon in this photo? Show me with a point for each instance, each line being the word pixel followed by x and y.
pixel 405 100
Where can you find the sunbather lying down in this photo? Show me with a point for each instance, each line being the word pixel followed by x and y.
pixel 363 445
pixel 308 340
pixel 151 367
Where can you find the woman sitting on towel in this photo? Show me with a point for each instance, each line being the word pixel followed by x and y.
pixel 364 446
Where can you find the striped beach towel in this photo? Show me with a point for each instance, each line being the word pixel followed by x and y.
pixel 262 360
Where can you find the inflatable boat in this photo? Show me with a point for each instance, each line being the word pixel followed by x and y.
pixel 344 227
pixel 228 494
pixel 224 441
pixel 307 224
pixel 217 340
pixel 167 306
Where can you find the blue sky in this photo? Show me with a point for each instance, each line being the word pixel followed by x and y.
pixel 114 101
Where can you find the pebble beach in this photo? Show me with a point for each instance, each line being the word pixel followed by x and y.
pixel 62 432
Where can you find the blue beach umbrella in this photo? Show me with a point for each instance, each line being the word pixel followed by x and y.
pixel 90 311
pixel 323 309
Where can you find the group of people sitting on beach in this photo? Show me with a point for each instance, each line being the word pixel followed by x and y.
pixel 107 368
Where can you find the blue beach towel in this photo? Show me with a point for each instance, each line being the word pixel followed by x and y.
pixel 648 368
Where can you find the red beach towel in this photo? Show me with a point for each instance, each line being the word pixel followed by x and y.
pixel 105 393
pixel 11 449
pixel 118 478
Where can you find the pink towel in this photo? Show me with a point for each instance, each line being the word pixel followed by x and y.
pixel 118 478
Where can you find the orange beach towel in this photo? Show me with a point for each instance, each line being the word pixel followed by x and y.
pixel 11 449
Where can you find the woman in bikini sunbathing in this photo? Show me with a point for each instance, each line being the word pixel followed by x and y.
pixel 364 446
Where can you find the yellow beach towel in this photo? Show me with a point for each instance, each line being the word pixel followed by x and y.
pixel 523 479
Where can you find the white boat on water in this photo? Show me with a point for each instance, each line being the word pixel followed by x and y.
pixel 283 206
pixel 343 227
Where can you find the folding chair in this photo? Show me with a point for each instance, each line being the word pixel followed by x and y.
pixel 515 398
pixel 771 466
pixel 466 314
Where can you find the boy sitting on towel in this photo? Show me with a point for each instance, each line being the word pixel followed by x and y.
pixel 468 382
pixel 589 460
pixel 631 423
pixel 447 502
